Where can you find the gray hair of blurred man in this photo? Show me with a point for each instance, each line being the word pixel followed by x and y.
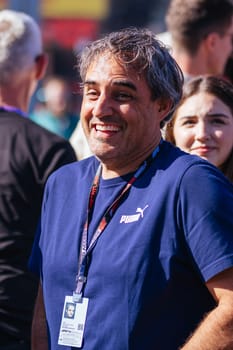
pixel 20 43
pixel 139 50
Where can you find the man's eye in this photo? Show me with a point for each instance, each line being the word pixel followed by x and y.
pixel 91 93
pixel 123 96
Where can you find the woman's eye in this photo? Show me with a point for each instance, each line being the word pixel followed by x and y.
pixel 218 121
pixel 188 122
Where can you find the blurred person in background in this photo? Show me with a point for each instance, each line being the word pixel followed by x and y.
pixel 201 35
pixel 56 114
pixel 137 13
pixel 203 122
pixel 228 72
pixel 79 142
pixel 28 155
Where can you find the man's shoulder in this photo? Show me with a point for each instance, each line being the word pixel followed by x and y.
pixel 22 123
pixel 177 164
pixel 172 156
pixel 32 131
pixel 79 172
pixel 29 141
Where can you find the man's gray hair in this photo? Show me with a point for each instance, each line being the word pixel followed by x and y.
pixel 20 43
pixel 139 50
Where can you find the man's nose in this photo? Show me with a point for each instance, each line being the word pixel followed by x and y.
pixel 103 106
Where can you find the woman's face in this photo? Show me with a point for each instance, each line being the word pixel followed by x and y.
pixel 204 126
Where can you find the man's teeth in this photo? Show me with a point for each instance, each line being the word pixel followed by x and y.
pixel 106 128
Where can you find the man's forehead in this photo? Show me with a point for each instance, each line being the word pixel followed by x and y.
pixel 108 64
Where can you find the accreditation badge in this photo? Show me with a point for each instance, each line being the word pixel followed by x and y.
pixel 73 322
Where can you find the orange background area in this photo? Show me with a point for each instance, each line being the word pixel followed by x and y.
pixel 69 21
pixel 95 9
pixel 3 4
pixel 72 21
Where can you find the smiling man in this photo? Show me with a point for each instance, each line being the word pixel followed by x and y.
pixel 116 112
pixel 150 256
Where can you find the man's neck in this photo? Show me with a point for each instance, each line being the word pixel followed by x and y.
pixel 17 93
pixel 13 99
pixel 191 65
pixel 115 168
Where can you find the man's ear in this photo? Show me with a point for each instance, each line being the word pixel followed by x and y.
pixel 211 40
pixel 165 105
pixel 41 65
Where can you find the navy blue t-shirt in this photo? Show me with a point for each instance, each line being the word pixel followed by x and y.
pixel 146 280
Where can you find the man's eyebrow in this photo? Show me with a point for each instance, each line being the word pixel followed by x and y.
pixel 88 82
pixel 124 83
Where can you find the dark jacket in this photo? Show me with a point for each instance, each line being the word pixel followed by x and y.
pixel 28 155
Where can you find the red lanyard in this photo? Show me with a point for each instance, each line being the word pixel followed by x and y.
pixel 85 250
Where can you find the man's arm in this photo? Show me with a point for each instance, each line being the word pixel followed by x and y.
pixel 216 330
pixel 39 329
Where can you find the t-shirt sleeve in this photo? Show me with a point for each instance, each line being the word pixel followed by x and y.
pixel 35 260
pixel 206 216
